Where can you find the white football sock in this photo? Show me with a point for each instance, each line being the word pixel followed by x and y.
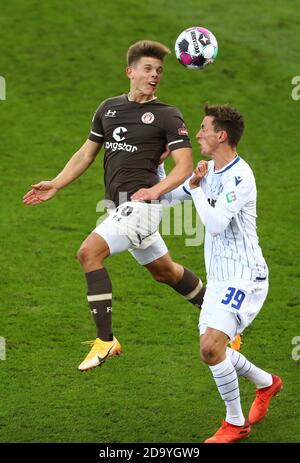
pixel 245 368
pixel 227 383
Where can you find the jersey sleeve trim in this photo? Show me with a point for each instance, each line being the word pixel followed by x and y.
pixel 97 134
pixel 186 191
pixel 176 141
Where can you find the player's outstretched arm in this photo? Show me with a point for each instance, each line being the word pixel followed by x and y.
pixel 79 163
pixel 39 193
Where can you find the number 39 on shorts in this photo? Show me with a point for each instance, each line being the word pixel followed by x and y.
pixel 234 297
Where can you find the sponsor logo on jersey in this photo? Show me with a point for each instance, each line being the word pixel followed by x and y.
pixel 182 130
pixel 120 147
pixel 118 135
pixel 148 118
pixel 212 202
pixel 238 180
pixel 110 113
pixel 231 197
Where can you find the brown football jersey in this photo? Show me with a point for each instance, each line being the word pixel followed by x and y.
pixel 134 135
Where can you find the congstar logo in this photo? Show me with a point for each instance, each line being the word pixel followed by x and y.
pixel 119 136
pixel 118 133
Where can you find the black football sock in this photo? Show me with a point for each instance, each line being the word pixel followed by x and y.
pixel 99 296
pixel 191 287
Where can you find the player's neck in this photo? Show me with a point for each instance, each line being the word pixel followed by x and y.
pixel 224 157
pixel 138 97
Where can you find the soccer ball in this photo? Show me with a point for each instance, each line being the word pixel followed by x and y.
pixel 196 47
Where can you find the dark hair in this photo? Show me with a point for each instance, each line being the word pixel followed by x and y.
pixel 228 119
pixel 146 48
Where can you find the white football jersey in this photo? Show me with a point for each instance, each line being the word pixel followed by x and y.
pixel 226 204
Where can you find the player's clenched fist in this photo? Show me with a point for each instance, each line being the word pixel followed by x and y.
pixel 199 173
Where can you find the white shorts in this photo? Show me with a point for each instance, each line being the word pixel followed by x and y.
pixel 134 226
pixel 231 306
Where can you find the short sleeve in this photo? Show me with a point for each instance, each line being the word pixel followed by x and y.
pixel 176 131
pixel 96 133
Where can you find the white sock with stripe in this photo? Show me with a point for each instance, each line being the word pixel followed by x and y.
pixel 227 383
pixel 247 369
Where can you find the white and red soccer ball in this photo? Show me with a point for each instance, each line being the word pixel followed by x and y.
pixel 196 47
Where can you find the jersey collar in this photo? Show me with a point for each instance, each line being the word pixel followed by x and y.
pixel 235 160
pixel 140 102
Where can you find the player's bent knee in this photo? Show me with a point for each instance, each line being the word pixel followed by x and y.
pixel 83 254
pixel 207 353
pixel 86 254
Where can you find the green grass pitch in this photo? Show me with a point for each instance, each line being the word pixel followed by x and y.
pixel 59 60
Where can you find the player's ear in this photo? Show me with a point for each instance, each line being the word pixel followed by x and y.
pixel 129 72
pixel 222 135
